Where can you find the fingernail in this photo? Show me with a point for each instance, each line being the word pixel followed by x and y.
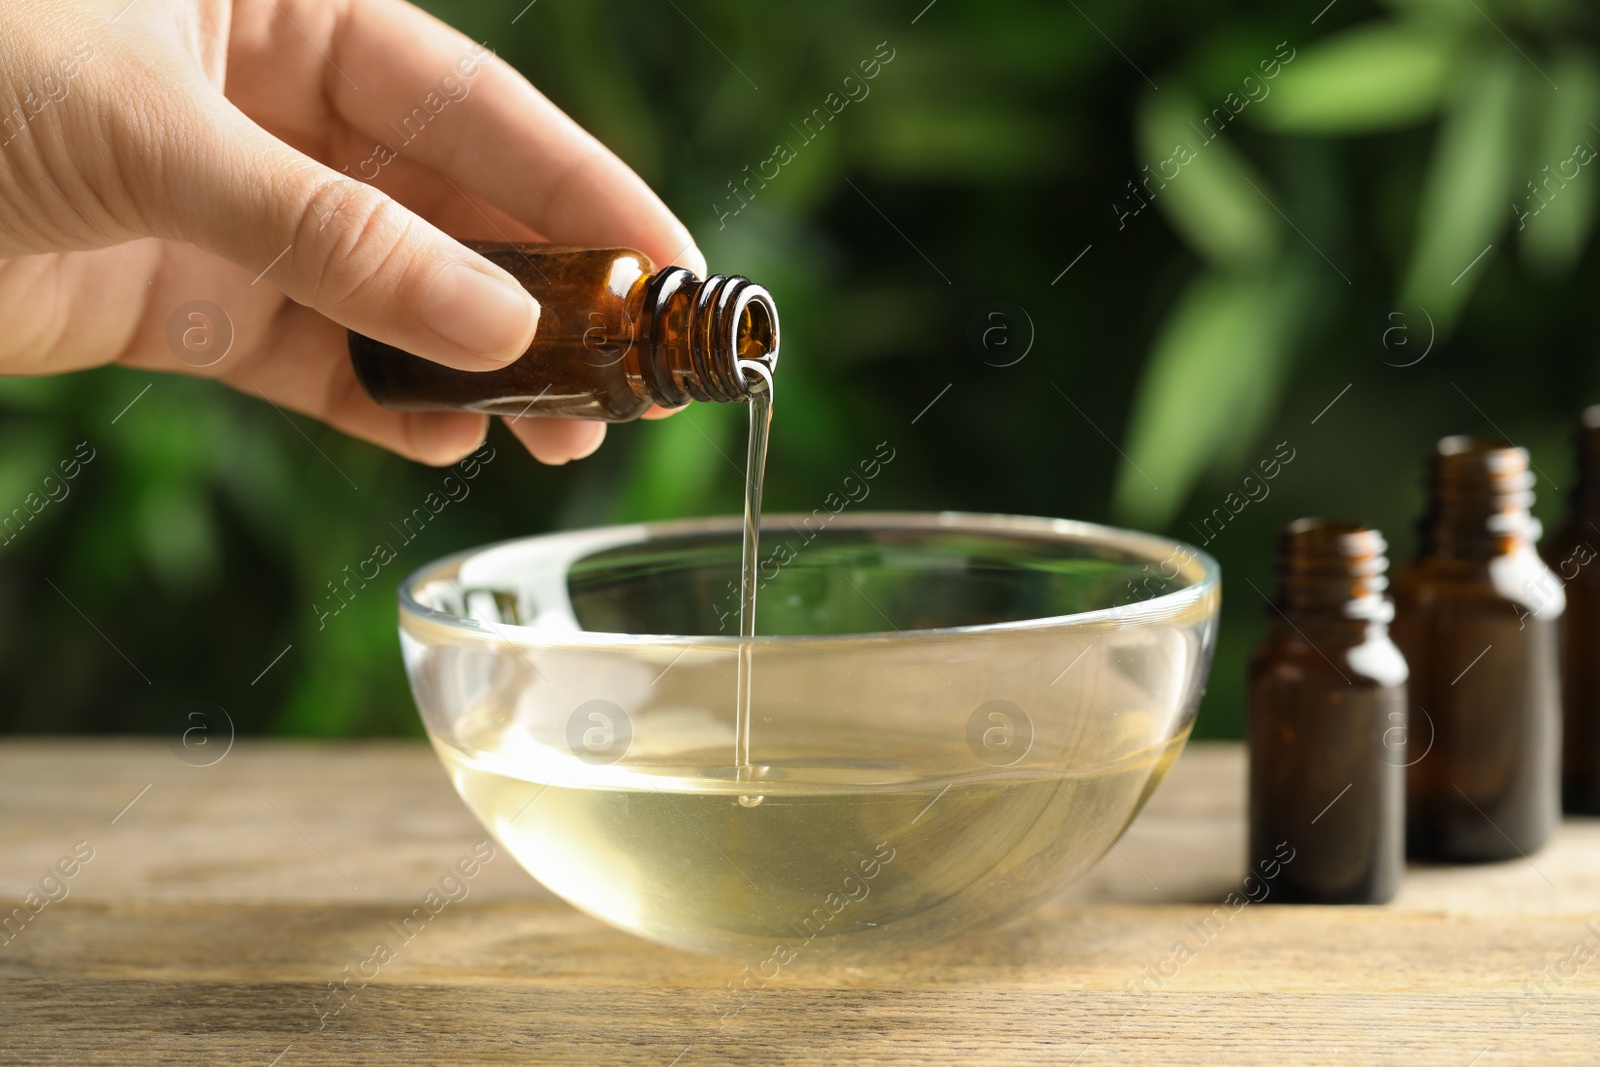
pixel 480 312
pixel 694 261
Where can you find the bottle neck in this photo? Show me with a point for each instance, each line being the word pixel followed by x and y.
pixel 1332 569
pixel 1331 581
pixel 1479 494
pixel 704 340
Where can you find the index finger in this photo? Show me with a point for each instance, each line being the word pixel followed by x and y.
pixel 436 97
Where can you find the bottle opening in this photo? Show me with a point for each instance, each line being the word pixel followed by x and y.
pixel 1492 455
pixel 755 338
pixel 758 332
pixel 1337 538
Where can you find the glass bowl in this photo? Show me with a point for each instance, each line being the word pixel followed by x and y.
pixel 952 716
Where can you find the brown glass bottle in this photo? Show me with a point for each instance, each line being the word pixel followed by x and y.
pixel 1571 554
pixel 615 336
pixel 1481 639
pixel 1327 723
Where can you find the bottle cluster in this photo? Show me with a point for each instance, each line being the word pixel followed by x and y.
pixel 1447 715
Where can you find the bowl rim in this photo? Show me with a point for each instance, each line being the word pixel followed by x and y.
pixel 1160 550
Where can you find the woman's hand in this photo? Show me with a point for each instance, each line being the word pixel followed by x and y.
pixel 296 163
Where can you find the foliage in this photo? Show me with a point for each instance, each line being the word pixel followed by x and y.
pixel 999 147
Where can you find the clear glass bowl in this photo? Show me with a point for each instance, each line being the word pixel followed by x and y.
pixel 953 717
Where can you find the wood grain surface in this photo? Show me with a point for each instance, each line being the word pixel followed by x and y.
pixel 221 901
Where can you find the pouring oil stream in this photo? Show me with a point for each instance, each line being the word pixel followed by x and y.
pixel 754 475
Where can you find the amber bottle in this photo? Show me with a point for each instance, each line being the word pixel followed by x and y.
pixel 1476 616
pixel 615 336
pixel 1327 722
pixel 1571 555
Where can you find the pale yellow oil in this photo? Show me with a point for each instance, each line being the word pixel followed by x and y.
pixel 837 856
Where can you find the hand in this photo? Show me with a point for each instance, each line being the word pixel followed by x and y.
pixel 298 163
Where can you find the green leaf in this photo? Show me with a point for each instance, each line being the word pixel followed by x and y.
pixel 957 141
pixel 1556 206
pixel 1372 78
pixel 1200 182
pixel 1214 375
pixel 1466 191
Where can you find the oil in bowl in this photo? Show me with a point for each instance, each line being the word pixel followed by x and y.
pixel 952 718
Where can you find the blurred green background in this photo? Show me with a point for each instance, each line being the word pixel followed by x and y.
pixel 1413 178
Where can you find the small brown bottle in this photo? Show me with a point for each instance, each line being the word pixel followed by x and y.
pixel 1327 722
pixel 1476 616
pixel 615 336
pixel 1571 554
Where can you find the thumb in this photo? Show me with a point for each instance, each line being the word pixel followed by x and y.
pixel 348 250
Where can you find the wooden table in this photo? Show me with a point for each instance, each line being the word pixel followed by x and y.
pixel 221 901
